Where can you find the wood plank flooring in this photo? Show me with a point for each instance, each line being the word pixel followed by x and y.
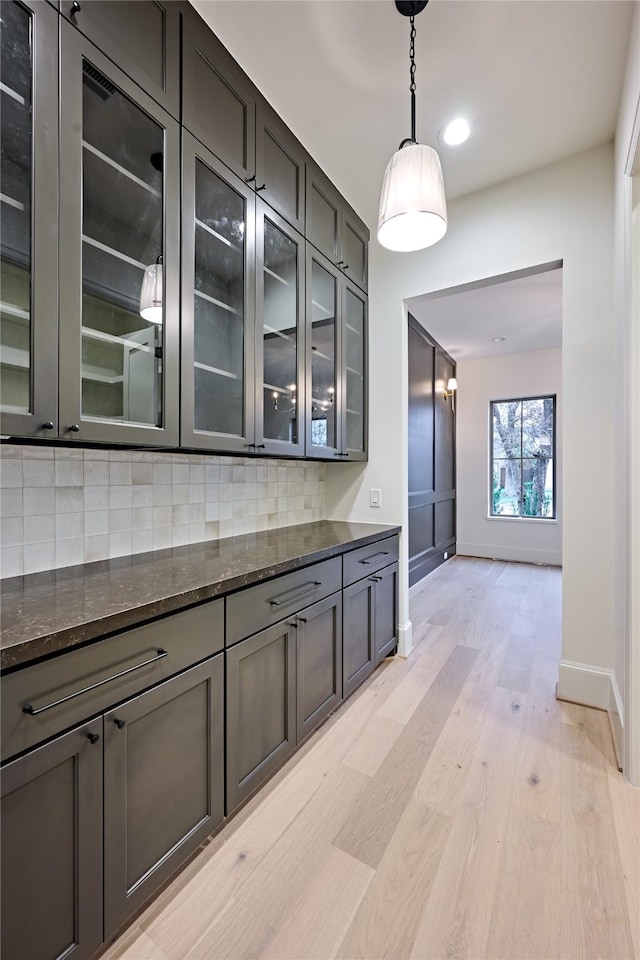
pixel 453 808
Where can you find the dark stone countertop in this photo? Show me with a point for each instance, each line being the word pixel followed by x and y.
pixel 45 613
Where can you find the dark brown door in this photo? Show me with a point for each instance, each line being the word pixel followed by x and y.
pixel 52 849
pixel 260 708
pixel 431 454
pixel 324 213
pixel 358 633
pixel 319 663
pixel 280 166
pixel 386 612
pixel 355 248
pixel 143 38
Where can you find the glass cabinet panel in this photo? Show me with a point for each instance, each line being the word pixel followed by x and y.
pixel 323 356
pixel 219 305
pixel 15 209
pixel 355 329
pixel 123 311
pixel 280 336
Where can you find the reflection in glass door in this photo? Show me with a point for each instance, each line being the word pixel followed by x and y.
pixel 355 353
pixel 219 320
pixel 15 210
pixel 122 256
pixel 323 356
pixel 280 389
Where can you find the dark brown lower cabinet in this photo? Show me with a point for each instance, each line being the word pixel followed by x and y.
pixel 52 849
pixel 386 611
pixel 319 663
pixel 163 783
pixel 358 633
pixel 261 714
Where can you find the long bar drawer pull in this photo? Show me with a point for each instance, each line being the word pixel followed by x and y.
pixel 384 553
pixel 34 711
pixel 289 597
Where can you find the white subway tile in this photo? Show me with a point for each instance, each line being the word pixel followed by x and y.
pixel 69 552
pixel 96 548
pixel 120 544
pixel 211 473
pixel 196 532
pixel 226 473
pixel 179 473
pixel 142 495
pixel 99 453
pixel 212 492
pixel 125 456
pixel 11 531
pixel 162 474
pixel 179 514
pixel 39 529
pixel 142 518
pixel 96 523
pixel 71 499
pixel 11 561
pixel 96 498
pixel 161 538
pixel 142 473
pixel 162 516
pixel 68 453
pixel 142 541
pixel 212 511
pixel 39 556
pixel 38 501
pixel 226 528
pixel 11 502
pixel 11 473
pixel 96 473
pixel 120 473
pixel 37 473
pixel 196 513
pixel 11 451
pixel 196 473
pixel 120 496
pixel 69 526
pixel 226 511
pixel 180 535
pixel 212 530
pixel 120 521
pixel 196 493
pixel 162 494
pixel 180 493
pixel 37 452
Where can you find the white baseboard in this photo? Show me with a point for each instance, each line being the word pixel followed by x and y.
pixel 405 639
pixel 516 554
pixel 594 687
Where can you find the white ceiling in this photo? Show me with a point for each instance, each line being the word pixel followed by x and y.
pixel 537 79
pixel 527 311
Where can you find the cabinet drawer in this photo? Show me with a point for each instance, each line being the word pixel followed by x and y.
pixel 82 683
pixel 257 607
pixel 359 563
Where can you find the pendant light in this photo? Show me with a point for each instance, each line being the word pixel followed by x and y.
pixel 151 293
pixel 413 207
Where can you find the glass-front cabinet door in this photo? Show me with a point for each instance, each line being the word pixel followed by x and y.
pixel 28 247
pixel 323 360
pixel 218 297
pixel 119 255
pixel 354 393
pixel 279 336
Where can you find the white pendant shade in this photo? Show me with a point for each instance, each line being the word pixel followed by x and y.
pixel 413 207
pixel 151 294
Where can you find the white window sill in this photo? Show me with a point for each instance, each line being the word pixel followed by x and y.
pixel 525 519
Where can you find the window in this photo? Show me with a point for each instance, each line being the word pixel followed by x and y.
pixel 523 477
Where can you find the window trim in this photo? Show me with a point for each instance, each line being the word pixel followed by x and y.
pixel 497 516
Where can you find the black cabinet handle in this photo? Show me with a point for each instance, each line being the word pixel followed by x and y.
pixel 345 266
pixel 259 446
pixel 375 579
pixel 74 428
pixel 34 711
pixel 75 8
pixel 302 619
pixel 340 454
pixel 93 737
pixel 250 179
pixel 374 556
pixel 263 187
pixel 339 263
pixel 119 723
pixel 49 425
pixel 290 597
pixel 292 623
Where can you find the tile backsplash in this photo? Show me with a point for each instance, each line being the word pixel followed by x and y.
pixel 61 506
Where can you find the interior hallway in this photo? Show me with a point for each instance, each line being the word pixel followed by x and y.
pixel 452 808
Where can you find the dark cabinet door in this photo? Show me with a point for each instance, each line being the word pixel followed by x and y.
pixel 52 849
pixel 260 708
pixel 280 354
pixel 142 37
pixel 218 99
pixel 119 255
pixel 218 304
pixel 28 245
pixel 386 611
pixel 280 166
pixel 355 248
pixel 324 213
pixel 319 663
pixel 323 349
pixel 358 632
pixel 164 786
pixel 354 386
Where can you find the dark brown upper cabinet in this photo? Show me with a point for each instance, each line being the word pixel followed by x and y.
pixel 336 338
pixel 280 166
pixel 334 228
pixel 218 99
pixel 218 304
pixel 28 245
pixel 280 355
pixel 119 254
pixel 142 38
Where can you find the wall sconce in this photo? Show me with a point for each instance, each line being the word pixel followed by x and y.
pixel 452 386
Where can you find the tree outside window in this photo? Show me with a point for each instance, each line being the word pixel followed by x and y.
pixel 523 457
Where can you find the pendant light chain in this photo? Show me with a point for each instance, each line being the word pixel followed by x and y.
pixel 412 84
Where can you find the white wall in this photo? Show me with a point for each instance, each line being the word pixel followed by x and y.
pixel 480 381
pixel 560 212
pixel 626 701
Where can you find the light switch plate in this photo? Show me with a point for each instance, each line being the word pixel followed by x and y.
pixel 375 497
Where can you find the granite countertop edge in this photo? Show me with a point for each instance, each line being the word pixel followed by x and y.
pixel 19 654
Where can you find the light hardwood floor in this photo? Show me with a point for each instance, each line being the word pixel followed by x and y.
pixel 452 809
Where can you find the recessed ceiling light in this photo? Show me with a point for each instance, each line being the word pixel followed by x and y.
pixel 455 132
pixel 498 339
